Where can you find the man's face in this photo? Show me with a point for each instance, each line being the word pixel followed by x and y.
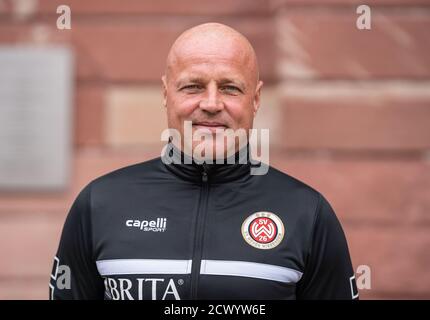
pixel 214 88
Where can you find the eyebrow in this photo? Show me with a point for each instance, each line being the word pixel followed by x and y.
pixel 191 79
pixel 221 81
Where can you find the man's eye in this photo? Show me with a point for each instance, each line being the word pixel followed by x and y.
pixel 192 87
pixel 231 89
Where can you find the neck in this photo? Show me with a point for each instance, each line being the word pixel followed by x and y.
pixel 172 153
pixel 233 168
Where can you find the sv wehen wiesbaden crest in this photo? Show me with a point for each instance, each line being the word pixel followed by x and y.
pixel 263 230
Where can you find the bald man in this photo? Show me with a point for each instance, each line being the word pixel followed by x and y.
pixel 197 223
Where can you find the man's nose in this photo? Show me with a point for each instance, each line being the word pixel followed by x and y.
pixel 212 102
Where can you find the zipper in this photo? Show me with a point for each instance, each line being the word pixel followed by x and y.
pixel 199 234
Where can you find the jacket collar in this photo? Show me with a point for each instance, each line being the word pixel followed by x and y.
pixel 184 166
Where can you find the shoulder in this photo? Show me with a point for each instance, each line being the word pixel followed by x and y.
pixel 297 197
pixel 285 183
pixel 131 174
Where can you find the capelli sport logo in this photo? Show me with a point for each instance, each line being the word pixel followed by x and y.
pixel 263 230
pixel 157 225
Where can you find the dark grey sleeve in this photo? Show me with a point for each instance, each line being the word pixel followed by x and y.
pixel 328 272
pixel 74 274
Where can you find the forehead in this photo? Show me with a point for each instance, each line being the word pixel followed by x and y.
pixel 213 68
pixel 209 65
pixel 211 55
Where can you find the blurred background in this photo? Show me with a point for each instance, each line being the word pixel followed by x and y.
pixel 348 112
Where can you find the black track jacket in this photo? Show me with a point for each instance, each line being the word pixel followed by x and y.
pixel 188 231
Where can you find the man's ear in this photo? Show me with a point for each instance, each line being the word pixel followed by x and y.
pixel 257 96
pixel 164 85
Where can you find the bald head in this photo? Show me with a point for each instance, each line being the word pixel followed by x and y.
pixel 211 81
pixel 213 40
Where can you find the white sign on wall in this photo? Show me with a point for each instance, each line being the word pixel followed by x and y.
pixel 36 87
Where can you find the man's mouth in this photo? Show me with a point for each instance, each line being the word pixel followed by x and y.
pixel 209 125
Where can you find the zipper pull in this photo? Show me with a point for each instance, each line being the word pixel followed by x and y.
pixel 204 176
